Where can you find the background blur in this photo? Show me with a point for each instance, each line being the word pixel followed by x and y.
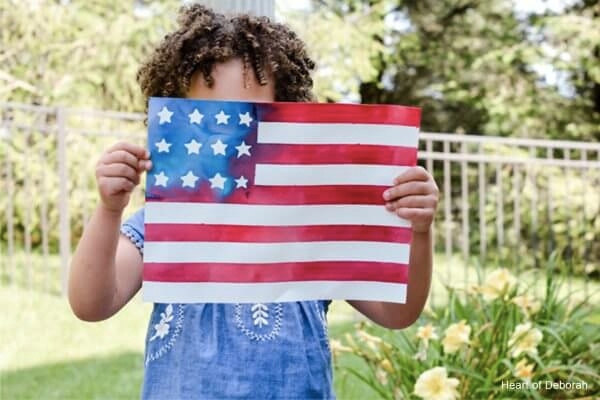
pixel 510 92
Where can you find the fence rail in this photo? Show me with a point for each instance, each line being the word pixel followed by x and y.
pixel 502 199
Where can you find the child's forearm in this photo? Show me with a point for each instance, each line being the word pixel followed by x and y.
pixel 419 273
pixel 397 315
pixel 92 277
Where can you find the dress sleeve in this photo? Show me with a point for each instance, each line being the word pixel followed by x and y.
pixel 326 304
pixel 133 229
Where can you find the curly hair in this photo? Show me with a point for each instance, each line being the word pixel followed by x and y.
pixel 205 38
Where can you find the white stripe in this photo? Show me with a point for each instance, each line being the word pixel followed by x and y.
pixel 210 292
pixel 270 215
pixel 307 133
pixel 258 253
pixel 326 174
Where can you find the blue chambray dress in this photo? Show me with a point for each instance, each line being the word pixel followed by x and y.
pixel 223 351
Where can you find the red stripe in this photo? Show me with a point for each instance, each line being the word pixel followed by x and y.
pixel 340 113
pixel 334 154
pixel 282 195
pixel 278 272
pixel 273 234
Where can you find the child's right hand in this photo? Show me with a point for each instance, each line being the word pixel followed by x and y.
pixel 118 173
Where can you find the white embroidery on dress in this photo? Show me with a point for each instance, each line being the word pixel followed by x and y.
pixel 260 318
pixel 163 329
pixel 260 314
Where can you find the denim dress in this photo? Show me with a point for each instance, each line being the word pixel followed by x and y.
pixel 223 351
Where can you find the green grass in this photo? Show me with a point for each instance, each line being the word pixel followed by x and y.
pixel 102 377
pixel 47 353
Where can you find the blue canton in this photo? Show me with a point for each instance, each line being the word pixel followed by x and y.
pixel 196 144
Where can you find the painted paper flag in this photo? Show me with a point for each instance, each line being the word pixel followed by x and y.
pixel 270 202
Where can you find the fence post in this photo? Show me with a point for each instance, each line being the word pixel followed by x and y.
pixel 482 214
pixel 464 194
pixel 63 199
pixel 10 229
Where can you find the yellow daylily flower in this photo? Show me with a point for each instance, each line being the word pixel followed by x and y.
pixel 528 304
pixel 337 347
pixel 386 365
pixel 524 370
pixel 370 340
pixel 398 394
pixel 381 376
pixel 525 340
pixel 457 335
pixel 498 283
pixel 434 384
pixel 421 355
pixel 427 333
pixel 350 340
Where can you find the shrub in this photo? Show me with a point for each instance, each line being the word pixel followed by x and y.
pixel 495 340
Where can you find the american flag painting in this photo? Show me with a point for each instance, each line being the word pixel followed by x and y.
pixel 268 202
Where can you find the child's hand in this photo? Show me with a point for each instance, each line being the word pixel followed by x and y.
pixel 118 172
pixel 414 197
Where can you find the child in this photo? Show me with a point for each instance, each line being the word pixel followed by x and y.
pixel 229 350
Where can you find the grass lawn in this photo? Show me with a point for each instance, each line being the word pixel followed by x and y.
pixel 46 353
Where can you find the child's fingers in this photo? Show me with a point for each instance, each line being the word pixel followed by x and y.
pixel 138 151
pixel 406 189
pixel 120 157
pixel 419 201
pixel 415 214
pixel 144 165
pixel 413 174
pixel 119 171
pixel 111 185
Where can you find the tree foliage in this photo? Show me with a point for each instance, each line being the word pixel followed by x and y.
pixel 475 67
pixel 78 53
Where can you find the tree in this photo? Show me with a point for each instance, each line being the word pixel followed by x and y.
pixel 473 66
pixel 573 42
pixel 78 53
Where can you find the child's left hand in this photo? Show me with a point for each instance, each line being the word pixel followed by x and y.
pixel 414 197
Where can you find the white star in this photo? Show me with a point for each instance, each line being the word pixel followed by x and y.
pixel 164 115
pixel 195 117
pixel 241 182
pixel 189 180
pixel 242 149
pixel 193 147
pixel 218 147
pixel 161 179
pixel 222 118
pixel 245 119
pixel 217 181
pixel 163 146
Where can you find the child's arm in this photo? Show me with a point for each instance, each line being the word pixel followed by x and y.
pixel 414 197
pixel 106 269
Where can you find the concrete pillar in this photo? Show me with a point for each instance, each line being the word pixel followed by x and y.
pixel 256 7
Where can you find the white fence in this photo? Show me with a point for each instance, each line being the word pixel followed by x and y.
pixel 503 200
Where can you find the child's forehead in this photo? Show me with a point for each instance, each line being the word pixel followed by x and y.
pixel 231 82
